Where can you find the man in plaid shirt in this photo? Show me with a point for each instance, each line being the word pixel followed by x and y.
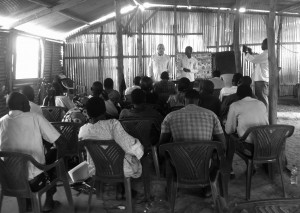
pixel 191 123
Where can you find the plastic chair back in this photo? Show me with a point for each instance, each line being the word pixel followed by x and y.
pixel 108 158
pixel 192 160
pixel 268 140
pixel 53 113
pixel 70 132
pixel 14 174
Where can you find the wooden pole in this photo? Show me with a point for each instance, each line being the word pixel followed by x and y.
pixel 218 31
pixel 119 32
pixel 175 31
pixel 140 44
pixel 273 80
pixel 100 54
pixel 236 40
pixel 278 49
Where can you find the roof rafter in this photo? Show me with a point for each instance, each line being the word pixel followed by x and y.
pixel 47 11
pixel 65 13
pixel 292 7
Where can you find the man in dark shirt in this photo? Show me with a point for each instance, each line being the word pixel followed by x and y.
pixel 141 110
pixel 164 88
pixel 207 99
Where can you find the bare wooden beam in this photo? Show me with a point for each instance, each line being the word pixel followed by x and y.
pixel 100 54
pixel 119 43
pixel 141 72
pixel 65 13
pixel 45 12
pixel 289 8
pixel 273 73
pixel 236 40
pixel 150 17
pixel 278 48
pixel 130 19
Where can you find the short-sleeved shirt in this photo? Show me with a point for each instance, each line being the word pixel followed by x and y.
pixel 159 64
pixel 191 123
pixel 112 130
pixel 244 114
pixel 23 132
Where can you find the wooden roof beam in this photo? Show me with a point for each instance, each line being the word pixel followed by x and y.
pixel 65 13
pixel 289 8
pixel 48 11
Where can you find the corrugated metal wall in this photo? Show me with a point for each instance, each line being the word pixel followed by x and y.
pixel 82 52
pixel 3 74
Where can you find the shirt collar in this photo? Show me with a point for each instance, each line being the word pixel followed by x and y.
pixel 14 113
pixel 247 98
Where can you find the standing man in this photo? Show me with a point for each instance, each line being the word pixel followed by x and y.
pixel 260 75
pixel 188 65
pixel 159 63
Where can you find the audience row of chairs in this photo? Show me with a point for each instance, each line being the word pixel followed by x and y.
pixel 188 164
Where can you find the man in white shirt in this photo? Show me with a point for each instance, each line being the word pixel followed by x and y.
pixel 22 131
pixel 100 128
pixel 226 91
pixel 159 63
pixel 188 65
pixel 260 75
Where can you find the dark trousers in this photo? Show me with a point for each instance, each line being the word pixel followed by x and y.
pixel 262 91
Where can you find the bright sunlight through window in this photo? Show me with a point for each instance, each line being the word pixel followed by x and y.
pixel 27 62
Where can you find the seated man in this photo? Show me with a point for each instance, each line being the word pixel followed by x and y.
pixel 97 91
pixel 245 113
pixel 230 90
pixel 29 93
pixel 147 87
pixel 245 80
pixel 178 99
pixel 113 95
pixel 136 85
pixel 164 88
pixel 141 109
pixel 101 129
pixel 191 123
pixel 22 131
pixel 207 99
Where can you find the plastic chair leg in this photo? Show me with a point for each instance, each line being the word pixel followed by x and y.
pixel 281 175
pixel 36 203
pixel 155 160
pixel 146 177
pixel 249 177
pixel 173 195
pixel 68 194
pixel 1 199
pixel 21 204
pixel 90 195
pixel 128 195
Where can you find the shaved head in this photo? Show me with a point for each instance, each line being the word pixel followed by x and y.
pixel 160 49
pixel 17 101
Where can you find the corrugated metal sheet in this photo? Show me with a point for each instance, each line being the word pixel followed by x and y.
pixel 252 32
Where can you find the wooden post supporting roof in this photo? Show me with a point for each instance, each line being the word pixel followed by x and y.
pixel 273 70
pixel 119 32
pixel 278 48
pixel 140 44
pixel 236 40
pixel 100 54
